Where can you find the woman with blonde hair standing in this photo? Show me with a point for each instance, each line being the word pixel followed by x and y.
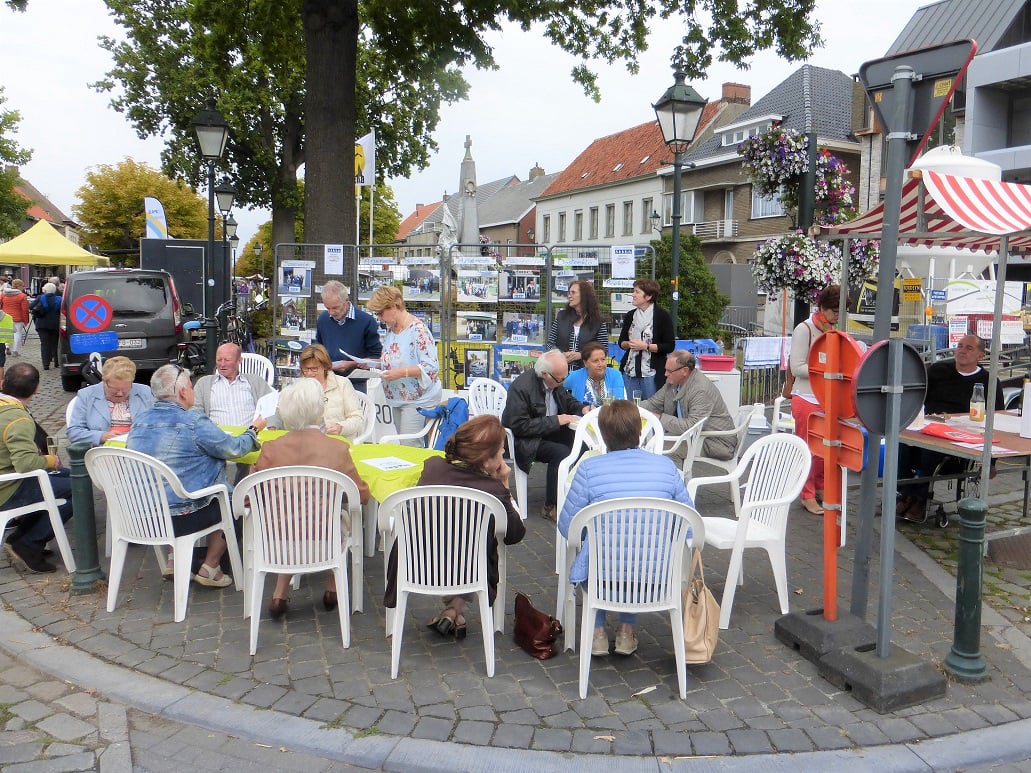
pixel 411 371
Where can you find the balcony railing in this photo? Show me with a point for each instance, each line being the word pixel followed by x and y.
pixel 716 229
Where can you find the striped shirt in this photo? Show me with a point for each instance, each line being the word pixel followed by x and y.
pixel 232 402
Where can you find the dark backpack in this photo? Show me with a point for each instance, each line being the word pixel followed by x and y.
pixel 450 416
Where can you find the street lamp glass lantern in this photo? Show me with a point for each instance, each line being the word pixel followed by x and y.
pixel 212 132
pixel 231 226
pixel 234 240
pixel 679 112
pixel 225 193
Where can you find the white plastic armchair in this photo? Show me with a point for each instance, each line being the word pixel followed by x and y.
pixel 487 396
pixel 766 483
pixel 428 434
pixel 441 537
pixel 47 501
pixel 257 365
pixel 639 542
pixel 369 412
pixel 741 424
pixel 782 422
pixel 691 442
pixel 297 523
pixel 588 434
pixel 138 511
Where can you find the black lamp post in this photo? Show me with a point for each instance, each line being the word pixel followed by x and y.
pixel 678 111
pixel 212 133
pixel 259 252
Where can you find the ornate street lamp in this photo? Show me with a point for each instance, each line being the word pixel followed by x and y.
pixel 212 132
pixel 679 112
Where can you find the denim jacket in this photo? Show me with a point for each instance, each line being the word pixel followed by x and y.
pixel 191 444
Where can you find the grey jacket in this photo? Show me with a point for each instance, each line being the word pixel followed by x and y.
pixel 699 399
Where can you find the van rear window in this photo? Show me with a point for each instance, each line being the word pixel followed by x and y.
pixel 142 296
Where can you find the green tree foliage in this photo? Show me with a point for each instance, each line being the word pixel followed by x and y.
pixel 386 217
pixel 110 206
pixel 701 302
pixel 16 5
pixel 298 80
pixel 12 204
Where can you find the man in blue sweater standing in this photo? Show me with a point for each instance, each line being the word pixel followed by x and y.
pixel 343 328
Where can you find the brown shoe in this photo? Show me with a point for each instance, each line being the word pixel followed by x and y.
pixel 917 512
pixel 277 608
pixel 902 506
pixel 812 506
pixel 549 514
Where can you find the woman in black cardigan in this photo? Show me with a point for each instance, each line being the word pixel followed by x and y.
pixel 648 336
pixel 578 324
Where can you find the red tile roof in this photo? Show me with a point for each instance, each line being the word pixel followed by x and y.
pixel 622 156
pixel 415 219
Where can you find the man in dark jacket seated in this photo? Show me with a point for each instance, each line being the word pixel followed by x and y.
pixel 949 387
pixel 538 411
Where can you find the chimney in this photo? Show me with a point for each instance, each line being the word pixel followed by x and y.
pixel 419 206
pixel 737 93
pixel 537 171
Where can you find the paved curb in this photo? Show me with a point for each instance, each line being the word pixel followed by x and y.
pixel 1006 743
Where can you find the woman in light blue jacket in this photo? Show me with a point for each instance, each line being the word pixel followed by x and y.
pixel 624 470
pixel 106 410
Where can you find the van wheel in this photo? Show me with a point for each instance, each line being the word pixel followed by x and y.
pixel 70 383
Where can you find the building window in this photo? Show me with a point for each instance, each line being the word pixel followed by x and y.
pixel 728 204
pixel 593 233
pixel 546 226
pixel 766 206
pixel 647 207
pixel 610 220
pixel 690 208
pixel 561 226
pixel 628 218
pixel 578 226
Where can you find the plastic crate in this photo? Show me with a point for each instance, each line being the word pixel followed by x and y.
pixel 717 363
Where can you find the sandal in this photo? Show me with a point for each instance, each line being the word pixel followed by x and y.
pixel 446 626
pixel 212 577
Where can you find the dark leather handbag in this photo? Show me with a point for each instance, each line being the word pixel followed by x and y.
pixel 535 631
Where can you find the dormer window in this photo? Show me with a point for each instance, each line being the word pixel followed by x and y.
pixel 617 167
pixel 585 175
pixel 643 160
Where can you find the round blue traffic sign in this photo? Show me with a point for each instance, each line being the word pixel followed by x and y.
pixel 90 313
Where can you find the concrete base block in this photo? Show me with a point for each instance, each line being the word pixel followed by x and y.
pixel 884 684
pixel 813 636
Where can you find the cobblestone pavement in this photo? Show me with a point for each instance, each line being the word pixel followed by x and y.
pixel 757 698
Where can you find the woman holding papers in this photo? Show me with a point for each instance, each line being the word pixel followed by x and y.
pixel 411 371
pixel 343 414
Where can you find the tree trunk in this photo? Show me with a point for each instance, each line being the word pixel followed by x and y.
pixel 331 45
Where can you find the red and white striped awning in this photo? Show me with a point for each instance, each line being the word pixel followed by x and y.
pixel 946 210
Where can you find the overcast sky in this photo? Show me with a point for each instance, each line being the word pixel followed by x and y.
pixel 527 112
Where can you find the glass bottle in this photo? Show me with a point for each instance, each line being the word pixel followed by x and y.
pixel 977 403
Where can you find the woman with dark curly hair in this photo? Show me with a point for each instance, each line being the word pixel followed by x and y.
pixel 473 459
pixel 578 324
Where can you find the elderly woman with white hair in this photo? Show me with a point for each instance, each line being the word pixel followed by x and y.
pixel 105 410
pixel 300 408
pixel 46 310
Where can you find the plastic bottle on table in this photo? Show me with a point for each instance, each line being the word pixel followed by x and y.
pixel 977 403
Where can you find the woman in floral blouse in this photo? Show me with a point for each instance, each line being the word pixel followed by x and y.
pixel 411 371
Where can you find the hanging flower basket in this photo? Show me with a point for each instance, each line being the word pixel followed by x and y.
pixel 775 159
pixel 805 266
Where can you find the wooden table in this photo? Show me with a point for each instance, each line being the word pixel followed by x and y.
pixel 1006 445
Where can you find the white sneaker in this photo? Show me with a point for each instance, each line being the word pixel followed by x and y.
pixel 600 647
pixel 626 643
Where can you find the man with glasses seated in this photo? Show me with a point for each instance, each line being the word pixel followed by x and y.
pixel 687 397
pixel 175 432
pixel 539 411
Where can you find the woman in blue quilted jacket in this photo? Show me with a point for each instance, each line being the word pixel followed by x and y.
pixel 626 468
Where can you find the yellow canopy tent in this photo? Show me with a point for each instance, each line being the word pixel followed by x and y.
pixel 42 245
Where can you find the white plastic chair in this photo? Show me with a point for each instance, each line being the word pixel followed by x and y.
pixel 428 434
pixel 782 422
pixel 487 396
pixel 48 502
pixel 767 481
pixel 691 440
pixel 68 412
pixel 137 511
pixel 741 424
pixel 297 524
pixel 588 433
pixel 441 537
pixel 369 412
pixel 635 564
pixel 257 365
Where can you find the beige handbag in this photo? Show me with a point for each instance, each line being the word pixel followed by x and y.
pixel 701 616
